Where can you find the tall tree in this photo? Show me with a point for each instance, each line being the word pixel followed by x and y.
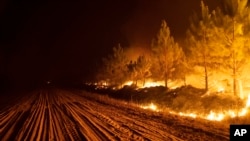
pixel 115 66
pixel 167 54
pixel 197 36
pixel 235 28
pixel 201 37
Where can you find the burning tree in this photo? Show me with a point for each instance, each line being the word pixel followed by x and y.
pixel 233 31
pixel 115 70
pixel 143 68
pixel 132 71
pixel 139 69
pixel 167 54
pixel 201 38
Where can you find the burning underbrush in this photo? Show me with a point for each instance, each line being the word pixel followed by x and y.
pixel 184 101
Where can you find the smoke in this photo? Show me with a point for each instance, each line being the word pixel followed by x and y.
pixel 134 52
pixel 144 23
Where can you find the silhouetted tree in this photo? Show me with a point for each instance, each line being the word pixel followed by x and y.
pixel 132 71
pixel 143 68
pixel 139 70
pixel 115 66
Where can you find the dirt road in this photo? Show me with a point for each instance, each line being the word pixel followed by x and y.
pixel 75 115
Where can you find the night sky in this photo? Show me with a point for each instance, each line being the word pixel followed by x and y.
pixel 65 40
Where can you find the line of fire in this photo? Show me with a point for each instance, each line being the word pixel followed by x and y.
pixel 213 60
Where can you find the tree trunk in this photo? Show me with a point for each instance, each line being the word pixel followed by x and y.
pixel 234 65
pixel 205 62
pixel 234 82
pixel 205 72
pixel 185 81
pixel 206 79
pixel 166 82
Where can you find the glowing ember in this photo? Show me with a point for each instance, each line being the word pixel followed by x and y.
pixel 151 106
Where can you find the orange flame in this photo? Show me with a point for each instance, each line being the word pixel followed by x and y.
pixel 214 116
pixel 151 106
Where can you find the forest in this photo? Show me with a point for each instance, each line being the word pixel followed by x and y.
pixel 213 55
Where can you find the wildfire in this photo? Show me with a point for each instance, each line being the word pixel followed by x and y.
pixel 212 115
pixel 147 84
pixel 128 83
pixel 153 84
pixel 150 83
pixel 219 116
pixel 230 113
pixel 151 106
pixel 193 115
pixel 215 116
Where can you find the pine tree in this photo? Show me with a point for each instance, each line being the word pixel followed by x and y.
pixel 139 70
pixel 167 54
pixel 235 28
pixel 201 37
pixel 115 66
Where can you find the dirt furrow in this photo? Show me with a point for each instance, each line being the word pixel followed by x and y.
pixel 61 115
